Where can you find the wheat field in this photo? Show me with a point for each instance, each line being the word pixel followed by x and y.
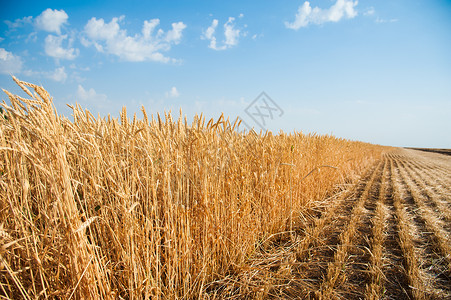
pixel 159 207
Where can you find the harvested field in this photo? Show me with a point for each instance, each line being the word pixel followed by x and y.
pixel 434 150
pixel 137 209
pixel 389 237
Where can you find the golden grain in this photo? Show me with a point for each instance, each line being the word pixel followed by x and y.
pixel 171 208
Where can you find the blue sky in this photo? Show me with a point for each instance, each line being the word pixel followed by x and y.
pixel 376 71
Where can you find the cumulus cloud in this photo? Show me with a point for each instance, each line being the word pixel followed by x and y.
pixel 306 14
pixel 147 46
pixel 51 20
pixel 175 34
pixel 231 34
pixel 9 63
pixel 59 74
pixel 173 93
pixel 209 34
pixel 90 95
pixel 53 47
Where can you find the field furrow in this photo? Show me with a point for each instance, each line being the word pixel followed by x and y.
pixel 437 202
pixel 316 251
pixel 440 179
pixel 428 275
pixel 390 241
pixel 441 191
pixel 432 170
pixel 346 274
pixel 438 244
pixel 407 237
pixel 375 288
pixel 395 281
pixel 317 231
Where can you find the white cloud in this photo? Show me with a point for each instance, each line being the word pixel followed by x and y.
pixel 59 74
pixel 90 95
pixel 379 20
pixel 51 20
pixel 148 28
pixel 369 12
pixel 147 46
pixel 30 73
pixel 19 22
pixel 209 34
pixel 75 67
pixel 53 47
pixel 98 30
pixel 9 63
pixel 1 39
pixel 231 34
pixel 257 36
pixel 306 14
pixel 32 37
pixel 175 34
pixel 173 93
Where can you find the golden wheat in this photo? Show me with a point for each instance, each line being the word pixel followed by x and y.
pixel 108 208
